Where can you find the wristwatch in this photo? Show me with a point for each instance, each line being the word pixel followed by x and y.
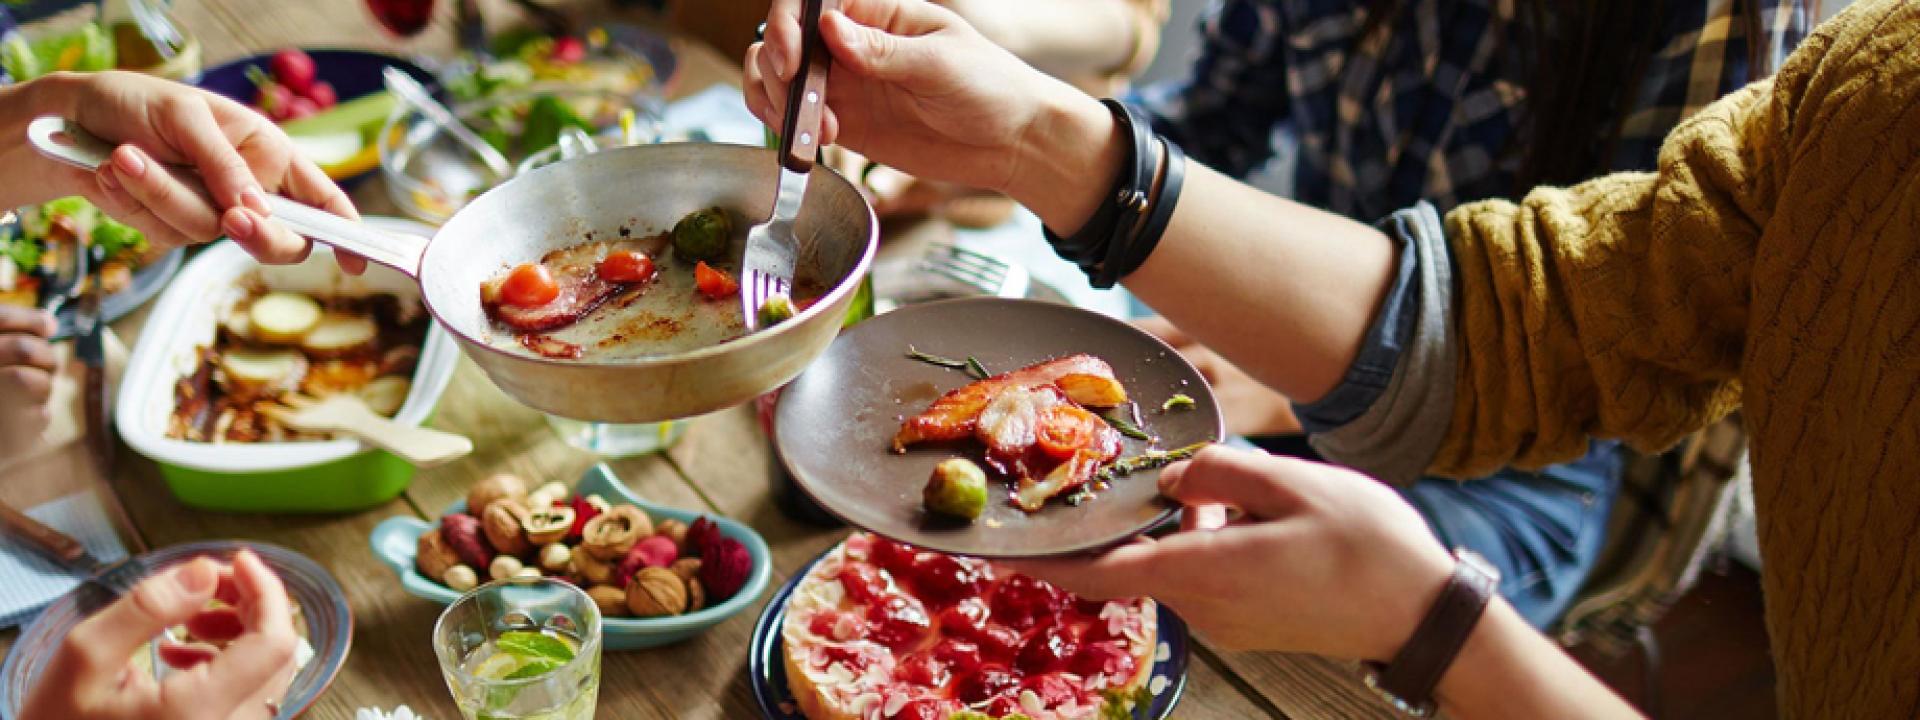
pixel 1407 683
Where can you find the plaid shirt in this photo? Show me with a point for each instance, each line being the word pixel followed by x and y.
pixel 1425 111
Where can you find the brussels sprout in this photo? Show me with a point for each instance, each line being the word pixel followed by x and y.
pixel 958 488
pixel 776 310
pixel 702 235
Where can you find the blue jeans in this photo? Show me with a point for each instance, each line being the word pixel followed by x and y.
pixel 1543 530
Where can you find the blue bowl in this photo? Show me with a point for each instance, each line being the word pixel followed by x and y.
pixel 353 73
pixel 767 666
pixel 322 603
pixel 395 539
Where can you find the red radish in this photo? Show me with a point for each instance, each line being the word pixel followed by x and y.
pixel 181 656
pixel 569 50
pixel 221 625
pixel 322 95
pixel 274 99
pixel 300 107
pixel 293 68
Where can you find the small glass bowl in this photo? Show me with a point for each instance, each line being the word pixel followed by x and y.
pixel 431 176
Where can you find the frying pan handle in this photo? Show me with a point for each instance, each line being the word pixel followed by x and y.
pixel 67 142
pixel 807 94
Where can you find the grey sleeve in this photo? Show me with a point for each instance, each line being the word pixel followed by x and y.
pixel 1397 436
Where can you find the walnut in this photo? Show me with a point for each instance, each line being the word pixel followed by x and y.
pixel 548 524
pixel 676 531
pixel 655 592
pixel 497 487
pixel 433 555
pixel 611 534
pixel 686 568
pixel 593 569
pixel 696 595
pixel 612 600
pixel 505 523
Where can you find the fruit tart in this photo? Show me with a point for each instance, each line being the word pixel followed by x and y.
pixel 879 630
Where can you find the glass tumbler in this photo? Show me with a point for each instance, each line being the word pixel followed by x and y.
pixel 521 648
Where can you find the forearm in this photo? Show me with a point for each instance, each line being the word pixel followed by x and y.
pixel 1509 670
pixel 25 176
pixel 1065 38
pixel 1282 290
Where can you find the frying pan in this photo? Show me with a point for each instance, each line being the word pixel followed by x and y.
pixel 643 189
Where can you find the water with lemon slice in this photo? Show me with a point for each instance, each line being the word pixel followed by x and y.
pixel 527 675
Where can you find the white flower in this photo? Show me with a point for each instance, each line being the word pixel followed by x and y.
pixel 400 713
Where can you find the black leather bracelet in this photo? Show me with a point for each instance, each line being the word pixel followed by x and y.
pixel 1119 214
pixel 1128 255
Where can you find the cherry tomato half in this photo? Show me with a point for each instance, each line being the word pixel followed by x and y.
pixel 627 267
pixel 1065 429
pixel 530 285
pixel 713 283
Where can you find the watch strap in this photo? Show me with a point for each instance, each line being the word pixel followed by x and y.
pixel 1409 680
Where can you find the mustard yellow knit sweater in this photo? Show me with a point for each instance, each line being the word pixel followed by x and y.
pixel 1772 262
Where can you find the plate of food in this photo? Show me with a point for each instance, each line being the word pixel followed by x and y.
pixel 994 427
pixel 331 103
pixel 659 574
pixel 320 617
pixel 36 241
pixel 874 628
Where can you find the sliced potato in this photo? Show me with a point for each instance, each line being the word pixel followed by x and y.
pixel 386 394
pixel 340 334
pixel 332 377
pixel 239 326
pixel 285 318
pixel 1092 390
pixel 251 373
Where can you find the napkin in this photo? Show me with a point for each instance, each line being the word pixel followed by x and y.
pixel 29 581
pixel 400 713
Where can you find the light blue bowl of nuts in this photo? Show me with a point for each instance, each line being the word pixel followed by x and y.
pixel 599 535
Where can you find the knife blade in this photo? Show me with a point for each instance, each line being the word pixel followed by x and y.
pixel 90 348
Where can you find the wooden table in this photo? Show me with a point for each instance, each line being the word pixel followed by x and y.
pixel 721 466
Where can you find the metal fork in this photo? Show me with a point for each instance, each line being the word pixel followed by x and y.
pixel 766 269
pixel 70 283
pixel 989 274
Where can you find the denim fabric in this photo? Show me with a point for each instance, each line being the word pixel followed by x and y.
pixel 1372 368
pixel 1543 530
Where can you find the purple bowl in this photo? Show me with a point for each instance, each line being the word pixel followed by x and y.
pixel 322 603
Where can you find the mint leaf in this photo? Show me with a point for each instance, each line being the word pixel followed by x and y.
pixel 534 668
pixel 531 646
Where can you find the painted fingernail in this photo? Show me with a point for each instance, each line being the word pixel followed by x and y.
pixel 129 161
pixel 255 200
pixel 237 223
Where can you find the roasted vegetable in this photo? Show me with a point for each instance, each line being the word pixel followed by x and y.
pixel 776 310
pixel 251 373
pixel 702 235
pixel 281 317
pixel 958 488
pixel 385 395
pixel 1093 390
pixel 339 334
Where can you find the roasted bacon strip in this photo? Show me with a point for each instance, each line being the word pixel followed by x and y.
pixel 956 415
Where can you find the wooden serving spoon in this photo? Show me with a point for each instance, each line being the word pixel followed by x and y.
pixel 423 447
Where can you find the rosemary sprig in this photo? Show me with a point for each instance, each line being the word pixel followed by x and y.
pixel 979 371
pixel 930 359
pixel 1149 460
pixel 1127 427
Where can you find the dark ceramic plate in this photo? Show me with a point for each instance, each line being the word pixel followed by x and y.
pixel 836 420
pixel 767 666
pixel 148 280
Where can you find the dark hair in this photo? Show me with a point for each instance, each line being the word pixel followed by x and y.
pixel 1588 61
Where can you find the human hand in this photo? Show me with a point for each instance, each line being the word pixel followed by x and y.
pixel 26 370
pixel 1251 408
pixel 238 153
pixel 92 676
pixel 913 87
pixel 1320 559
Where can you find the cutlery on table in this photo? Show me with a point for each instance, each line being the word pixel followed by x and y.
pixel 986 273
pixel 414 94
pixel 68 282
pixel 90 348
pixel 766 269
pixel 423 447
pixel 105 583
